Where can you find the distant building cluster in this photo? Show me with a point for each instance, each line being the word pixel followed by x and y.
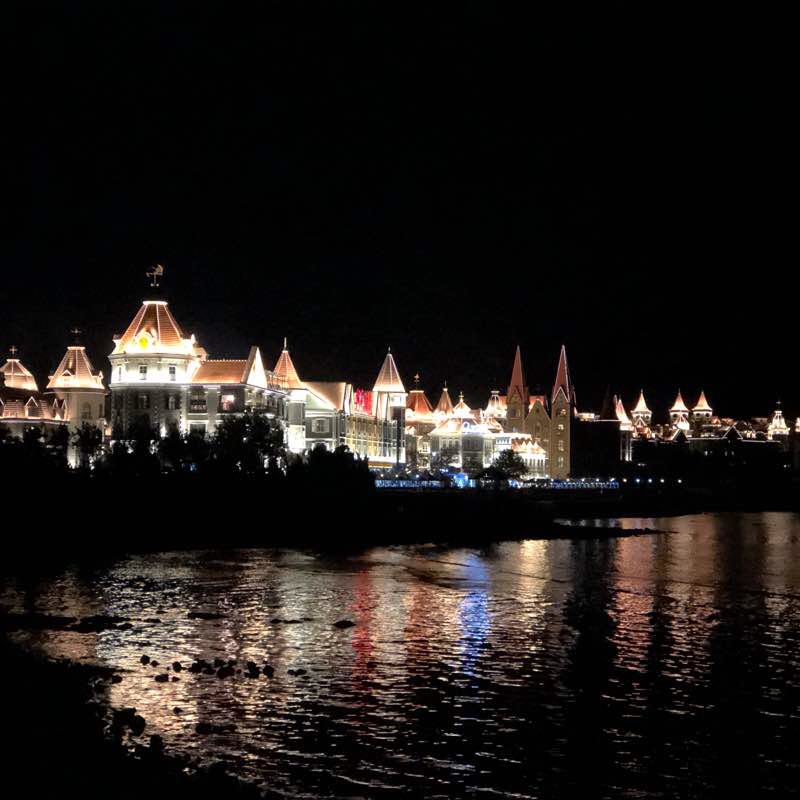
pixel 161 376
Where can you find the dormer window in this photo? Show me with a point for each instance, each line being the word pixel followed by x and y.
pixel 142 372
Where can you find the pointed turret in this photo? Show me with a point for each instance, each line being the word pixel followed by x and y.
pixel 517 387
pixel 563 382
pixel 702 406
pixel 679 414
pixel 622 415
pixel 389 378
pixel 285 371
pixel 417 405
pixel 445 405
pixel 679 407
pixel 641 408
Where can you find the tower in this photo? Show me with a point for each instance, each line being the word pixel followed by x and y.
pixel 702 411
pixel 517 397
pixel 563 409
pixel 777 428
pixel 76 382
pixel 679 414
pixel 389 406
pixel 287 377
pixel 641 416
pixel 151 366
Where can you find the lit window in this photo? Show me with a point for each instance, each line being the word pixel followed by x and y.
pixel 172 402
pixel 227 402
pixel 172 373
pixel 144 401
pixel 142 372
pixel 119 373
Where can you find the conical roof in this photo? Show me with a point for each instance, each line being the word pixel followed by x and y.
pixel 75 371
pixel 517 387
pixel 641 405
pixel 389 378
pixel 562 377
pixel 622 415
pixel 679 407
pixel 702 404
pixel 18 376
pixel 445 404
pixel 154 330
pixel 418 403
pixel 285 370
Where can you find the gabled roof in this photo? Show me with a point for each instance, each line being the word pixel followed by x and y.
pixel 223 370
pixel 641 405
pixel 330 393
pixel 154 330
pixel 247 371
pixel 445 404
pixel 679 407
pixel 702 404
pixel 562 378
pixel 389 378
pixel 285 371
pixel 18 376
pixel 75 371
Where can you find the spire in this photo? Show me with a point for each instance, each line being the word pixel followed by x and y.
pixel 445 404
pixel 621 414
pixel 517 387
pixel 702 404
pixel 679 407
pixel 389 378
pixel 284 369
pixel 641 406
pixel 562 378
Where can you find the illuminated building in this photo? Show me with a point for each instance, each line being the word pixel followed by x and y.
pixel 79 386
pixel 563 410
pixel 777 428
pixel 330 414
pixel 460 441
pixel 420 421
pixel 165 379
pixel 517 397
pixel 22 406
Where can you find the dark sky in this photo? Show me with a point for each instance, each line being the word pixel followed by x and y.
pixel 449 182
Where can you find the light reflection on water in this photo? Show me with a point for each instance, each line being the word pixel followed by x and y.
pixel 627 667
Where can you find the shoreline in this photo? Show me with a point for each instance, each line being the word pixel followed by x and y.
pixel 72 745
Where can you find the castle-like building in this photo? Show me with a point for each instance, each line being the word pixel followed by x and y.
pixel 163 378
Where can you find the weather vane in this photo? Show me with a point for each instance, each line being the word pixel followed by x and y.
pixel 155 273
pixel 76 332
pixel 13 350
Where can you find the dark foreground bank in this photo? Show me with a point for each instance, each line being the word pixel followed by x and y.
pixel 61 743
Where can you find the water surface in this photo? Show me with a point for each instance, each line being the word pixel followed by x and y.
pixel 660 665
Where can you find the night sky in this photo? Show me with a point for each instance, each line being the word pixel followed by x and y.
pixel 449 183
